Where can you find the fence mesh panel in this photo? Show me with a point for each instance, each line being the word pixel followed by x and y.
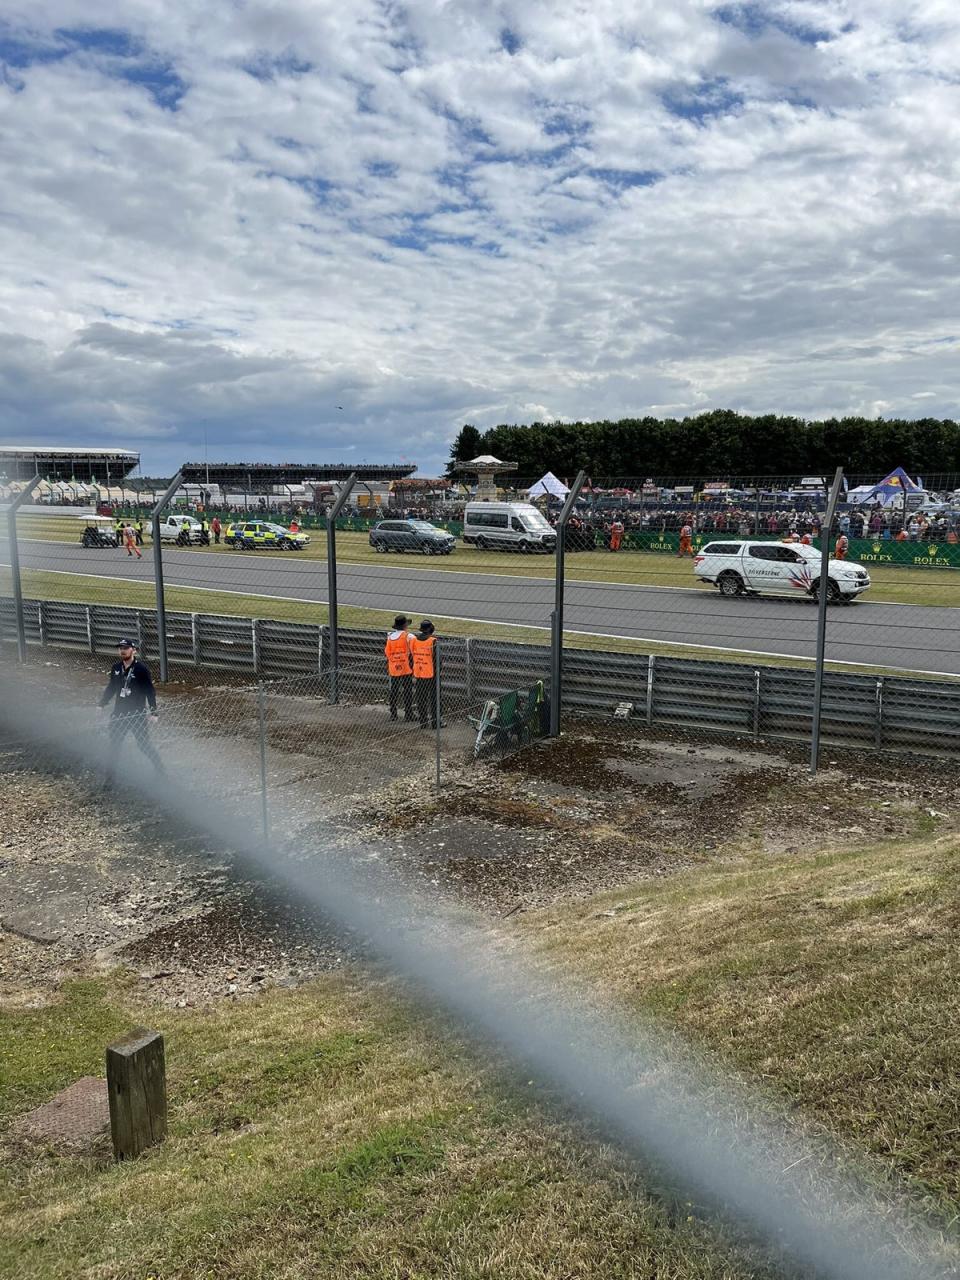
pixel 655 638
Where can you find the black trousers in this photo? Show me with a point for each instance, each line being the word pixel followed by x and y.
pixel 134 722
pixel 426 691
pixel 401 687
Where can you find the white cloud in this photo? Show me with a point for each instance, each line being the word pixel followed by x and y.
pixel 234 219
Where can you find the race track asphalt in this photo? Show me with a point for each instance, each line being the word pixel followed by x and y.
pixel 912 637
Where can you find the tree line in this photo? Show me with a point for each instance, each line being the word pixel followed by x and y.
pixel 719 444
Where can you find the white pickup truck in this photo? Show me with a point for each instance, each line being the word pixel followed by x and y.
pixel 170 527
pixel 783 568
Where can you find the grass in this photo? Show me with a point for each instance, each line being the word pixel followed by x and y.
pixel 328 1132
pixel 42 584
pixel 832 975
pixel 334 1131
pixel 890 584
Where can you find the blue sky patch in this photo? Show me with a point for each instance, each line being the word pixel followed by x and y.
pixel 702 101
pixel 510 41
pixel 753 19
pixel 122 56
pixel 623 179
pixel 17 52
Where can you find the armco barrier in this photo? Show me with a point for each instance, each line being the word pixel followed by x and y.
pixel 865 712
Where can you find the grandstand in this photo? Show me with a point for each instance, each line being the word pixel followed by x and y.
pixel 77 465
pixel 253 475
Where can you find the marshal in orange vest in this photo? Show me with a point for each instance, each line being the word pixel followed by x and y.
pixel 397 650
pixel 422 651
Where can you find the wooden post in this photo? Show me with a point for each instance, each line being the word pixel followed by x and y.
pixel 137 1088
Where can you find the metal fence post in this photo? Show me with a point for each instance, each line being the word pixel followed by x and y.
pixel 332 608
pixel 18 617
pixel 756 705
pixel 468 668
pixel 651 677
pixel 878 716
pixel 438 704
pixel 823 595
pixel 556 620
pixel 262 719
pixel 158 574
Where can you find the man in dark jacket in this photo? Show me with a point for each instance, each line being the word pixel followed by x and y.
pixel 130 689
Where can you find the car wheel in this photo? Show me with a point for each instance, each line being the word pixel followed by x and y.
pixel 381 546
pixel 482 543
pixel 833 591
pixel 426 549
pixel 523 547
pixel 730 584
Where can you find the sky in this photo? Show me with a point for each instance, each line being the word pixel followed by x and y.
pixel 299 230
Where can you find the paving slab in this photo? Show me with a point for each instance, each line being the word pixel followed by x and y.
pixel 75 1117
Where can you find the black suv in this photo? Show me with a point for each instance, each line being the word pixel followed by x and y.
pixel 411 535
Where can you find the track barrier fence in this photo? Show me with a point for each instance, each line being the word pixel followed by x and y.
pixel 614 622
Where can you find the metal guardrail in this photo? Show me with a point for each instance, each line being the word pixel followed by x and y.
pixel 763 703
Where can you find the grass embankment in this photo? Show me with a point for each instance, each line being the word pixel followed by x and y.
pixel 900 584
pixel 332 1131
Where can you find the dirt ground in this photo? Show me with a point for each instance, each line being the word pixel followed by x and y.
pixel 88 880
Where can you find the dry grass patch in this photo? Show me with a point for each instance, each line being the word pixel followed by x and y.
pixel 831 976
pixel 333 1132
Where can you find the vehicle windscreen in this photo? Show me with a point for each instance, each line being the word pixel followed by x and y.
pixel 534 521
pixel 423 524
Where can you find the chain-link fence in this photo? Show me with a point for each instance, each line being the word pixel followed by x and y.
pixel 666 607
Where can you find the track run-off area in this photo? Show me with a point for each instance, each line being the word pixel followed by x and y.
pixel 894 636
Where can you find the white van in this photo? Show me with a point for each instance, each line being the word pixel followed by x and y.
pixel 507 526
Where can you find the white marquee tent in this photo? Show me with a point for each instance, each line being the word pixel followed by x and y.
pixel 548 484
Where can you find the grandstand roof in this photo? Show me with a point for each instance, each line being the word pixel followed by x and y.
pixel 65 462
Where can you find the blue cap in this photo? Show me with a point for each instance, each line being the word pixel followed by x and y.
pixel 126 643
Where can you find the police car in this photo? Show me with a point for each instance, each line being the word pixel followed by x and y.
pixel 739 568
pixel 251 534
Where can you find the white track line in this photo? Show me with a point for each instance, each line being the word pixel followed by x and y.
pixel 482 573
pixel 517 626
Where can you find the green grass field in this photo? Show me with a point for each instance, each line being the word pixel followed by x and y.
pixel 894 584
pixel 335 1132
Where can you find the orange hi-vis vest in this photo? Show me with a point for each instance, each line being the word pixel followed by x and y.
pixel 397 650
pixel 422 651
